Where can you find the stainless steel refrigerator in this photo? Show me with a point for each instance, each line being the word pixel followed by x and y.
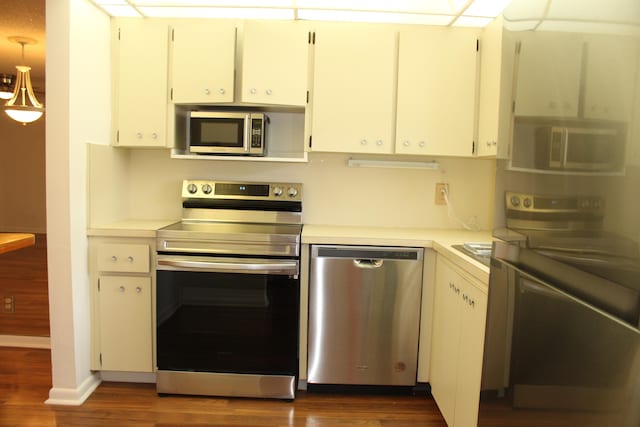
pixel 562 346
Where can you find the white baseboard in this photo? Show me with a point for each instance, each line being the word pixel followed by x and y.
pixel 25 341
pixel 73 396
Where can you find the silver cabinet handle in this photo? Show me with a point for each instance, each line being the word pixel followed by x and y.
pixel 114 258
pixel 406 143
pixel 139 135
pixel 379 142
pixel 130 258
pixel 138 289
pixel 269 91
pixel 253 90
pixel 207 92
pixel 363 142
pixel 121 288
pixel 222 91
pixel 421 144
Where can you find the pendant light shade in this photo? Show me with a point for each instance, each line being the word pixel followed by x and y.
pixel 23 106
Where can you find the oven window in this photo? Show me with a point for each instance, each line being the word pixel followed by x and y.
pixel 227 322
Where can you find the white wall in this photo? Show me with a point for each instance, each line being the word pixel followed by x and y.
pixel 22 175
pixel 78 110
pixel 333 193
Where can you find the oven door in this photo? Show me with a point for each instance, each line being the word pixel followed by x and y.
pixel 230 316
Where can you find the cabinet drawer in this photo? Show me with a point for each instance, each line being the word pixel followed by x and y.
pixel 123 258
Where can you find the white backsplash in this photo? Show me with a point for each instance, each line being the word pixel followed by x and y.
pixel 333 192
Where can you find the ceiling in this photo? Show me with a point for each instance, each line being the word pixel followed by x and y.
pixel 23 18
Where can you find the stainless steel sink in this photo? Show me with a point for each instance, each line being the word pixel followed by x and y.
pixel 480 251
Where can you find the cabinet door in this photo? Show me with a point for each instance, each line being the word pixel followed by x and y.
pixel 610 77
pixel 141 83
pixel 437 77
pixel 473 317
pixel 274 63
pixel 495 115
pixel 353 89
pixel 445 340
pixel 203 61
pixel 125 323
pixel 548 76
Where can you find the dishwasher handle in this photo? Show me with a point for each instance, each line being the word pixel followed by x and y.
pixel 368 263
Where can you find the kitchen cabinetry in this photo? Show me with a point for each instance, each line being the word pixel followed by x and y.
pixel 274 63
pixel 202 61
pixel 122 304
pixel 353 95
pixel 610 64
pixel 495 115
pixel 140 82
pixel 436 107
pixel 459 316
pixel 549 71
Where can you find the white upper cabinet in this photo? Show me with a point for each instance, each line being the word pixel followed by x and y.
pixel 274 63
pixel 353 96
pixel 140 83
pixel 548 75
pixel 495 115
pixel 609 77
pixel 203 61
pixel 437 77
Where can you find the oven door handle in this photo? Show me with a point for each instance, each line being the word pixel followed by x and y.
pixel 229 265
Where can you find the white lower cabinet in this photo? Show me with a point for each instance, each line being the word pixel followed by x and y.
pixel 459 316
pixel 122 294
pixel 125 323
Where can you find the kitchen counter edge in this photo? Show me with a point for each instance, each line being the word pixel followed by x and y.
pixel 440 240
pixel 129 228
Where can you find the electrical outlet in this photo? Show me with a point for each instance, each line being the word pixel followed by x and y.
pixel 441 189
pixel 9 304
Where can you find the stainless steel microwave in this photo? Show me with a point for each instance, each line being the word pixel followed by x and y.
pixel 579 148
pixel 215 132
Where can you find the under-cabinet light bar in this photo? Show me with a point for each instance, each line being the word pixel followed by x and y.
pixel 364 163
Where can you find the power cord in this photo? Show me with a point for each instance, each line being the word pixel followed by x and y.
pixel 472 225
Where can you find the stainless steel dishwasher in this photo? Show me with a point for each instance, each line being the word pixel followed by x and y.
pixel 364 315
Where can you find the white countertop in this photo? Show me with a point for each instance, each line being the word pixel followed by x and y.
pixel 438 239
pixel 130 228
pixel 441 240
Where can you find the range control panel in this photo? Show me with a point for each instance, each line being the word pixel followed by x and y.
pixel 208 189
pixel 554 204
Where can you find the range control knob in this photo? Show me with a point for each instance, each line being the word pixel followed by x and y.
pixel 292 192
pixel 515 200
pixel 527 203
pixel 206 189
pixel 192 188
pixel 277 191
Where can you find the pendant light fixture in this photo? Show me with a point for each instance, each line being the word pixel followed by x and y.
pixel 17 107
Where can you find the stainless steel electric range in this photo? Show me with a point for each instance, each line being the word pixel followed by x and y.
pixel 228 291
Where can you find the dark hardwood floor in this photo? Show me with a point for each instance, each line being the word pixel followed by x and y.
pixel 23 276
pixel 25 381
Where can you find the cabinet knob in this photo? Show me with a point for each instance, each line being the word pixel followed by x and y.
pixel 422 143
pixel 139 135
pixel 494 143
pixel 253 90
pixel 363 142
pixel 207 92
pixel 114 258
pixel 269 91
pixel 406 143
pixel 138 289
pixel 130 258
pixel 154 135
pixel 221 91
pixel 379 142
pixel 121 288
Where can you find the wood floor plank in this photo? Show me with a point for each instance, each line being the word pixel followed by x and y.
pixel 25 380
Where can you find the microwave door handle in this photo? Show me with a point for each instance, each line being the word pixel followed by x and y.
pixel 247 133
